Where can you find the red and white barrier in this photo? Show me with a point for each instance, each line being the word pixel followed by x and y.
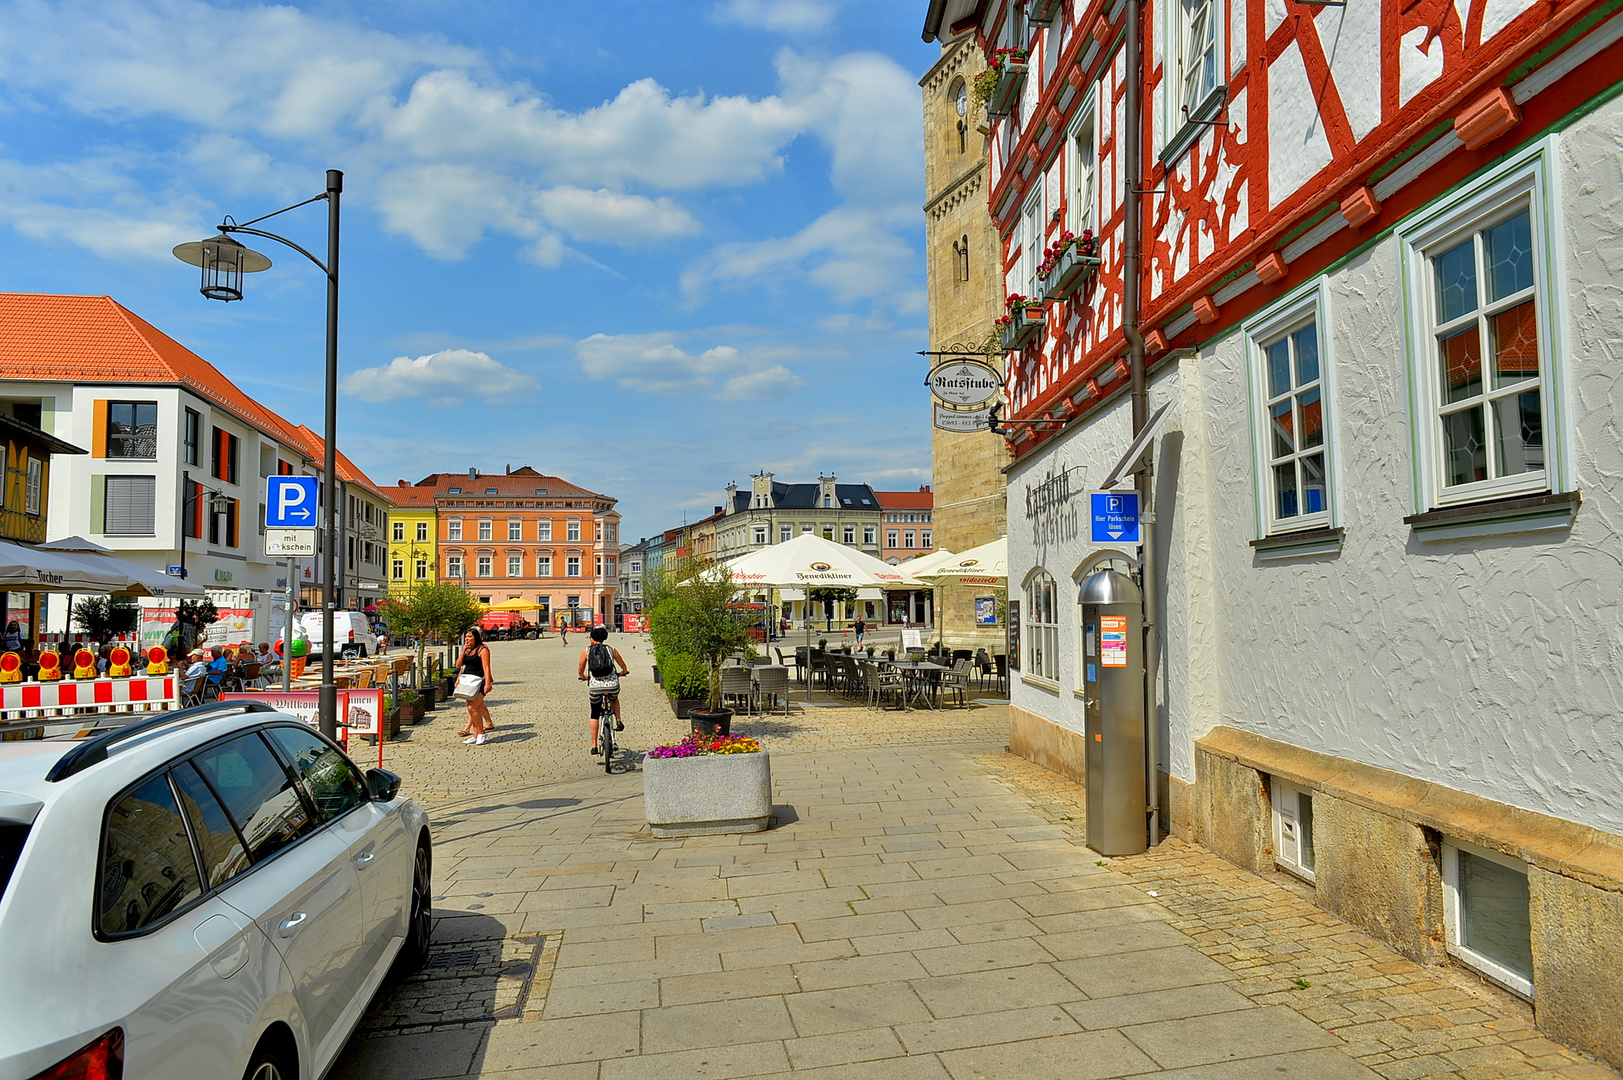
pixel 105 695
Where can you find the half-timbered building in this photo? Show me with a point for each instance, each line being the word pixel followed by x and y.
pixel 1367 252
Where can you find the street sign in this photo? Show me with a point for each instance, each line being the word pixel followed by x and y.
pixel 289 542
pixel 968 420
pixel 1114 515
pixel 965 382
pixel 290 502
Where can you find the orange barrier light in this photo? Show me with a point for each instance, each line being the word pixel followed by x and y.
pixel 118 662
pixel 157 660
pixel 50 666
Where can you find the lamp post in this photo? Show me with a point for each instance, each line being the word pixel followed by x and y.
pixel 223 261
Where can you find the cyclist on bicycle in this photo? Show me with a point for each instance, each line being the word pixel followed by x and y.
pixel 601 667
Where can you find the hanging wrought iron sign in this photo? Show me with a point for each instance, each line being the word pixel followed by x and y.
pixel 965 383
pixel 963 420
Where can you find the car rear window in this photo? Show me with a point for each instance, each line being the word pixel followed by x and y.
pixel 12 837
pixel 329 778
pixel 258 793
pixel 223 854
pixel 147 866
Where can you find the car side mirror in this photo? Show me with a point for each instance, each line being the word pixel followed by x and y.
pixel 382 785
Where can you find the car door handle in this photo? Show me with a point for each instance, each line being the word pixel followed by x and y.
pixel 363 858
pixel 290 925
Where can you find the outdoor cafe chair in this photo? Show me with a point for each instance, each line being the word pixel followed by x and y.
pixel 191 691
pixel 879 684
pixel 1002 672
pixel 956 681
pixel 736 682
pixel 983 664
pixel 772 683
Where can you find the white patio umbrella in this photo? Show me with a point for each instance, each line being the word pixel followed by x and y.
pixel 31 569
pixel 139 580
pixel 987 565
pixel 810 562
pixel 923 564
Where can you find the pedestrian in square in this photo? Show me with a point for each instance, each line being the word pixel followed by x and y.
pixel 601 667
pixel 861 628
pixel 475 660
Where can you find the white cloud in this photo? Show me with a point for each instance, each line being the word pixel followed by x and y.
pixel 614 217
pixel 656 364
pixel 457 373
pixel 780 16
pixel 94 203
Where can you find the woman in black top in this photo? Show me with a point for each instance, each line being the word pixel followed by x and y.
pixel 476 661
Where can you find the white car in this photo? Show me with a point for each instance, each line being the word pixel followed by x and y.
pixel 350 629
pixel 210 893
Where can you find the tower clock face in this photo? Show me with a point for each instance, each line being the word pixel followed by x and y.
pixel 963 99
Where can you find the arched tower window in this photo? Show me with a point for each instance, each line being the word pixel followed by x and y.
pixel 959 95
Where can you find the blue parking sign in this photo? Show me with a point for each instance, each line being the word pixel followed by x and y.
pixel 1115 517
pixel 290 502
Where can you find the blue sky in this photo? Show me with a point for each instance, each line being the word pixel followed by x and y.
pixel 649 246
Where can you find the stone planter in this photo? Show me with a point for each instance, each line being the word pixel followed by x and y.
pixel 710 723
pixel 708 794
pixel 682 706
pixel 411 712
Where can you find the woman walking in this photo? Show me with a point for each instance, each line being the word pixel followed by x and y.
pixel 476 661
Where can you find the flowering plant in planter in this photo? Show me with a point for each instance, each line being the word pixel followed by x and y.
pixel 1086 245
pixel 1014 307
pixel 997 65
pixel 699 744
pixel 1068 263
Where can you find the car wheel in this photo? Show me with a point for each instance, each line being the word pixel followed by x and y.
pixel 269 1063
pixel 420 921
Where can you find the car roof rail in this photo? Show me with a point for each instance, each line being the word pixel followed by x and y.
pixel 93 751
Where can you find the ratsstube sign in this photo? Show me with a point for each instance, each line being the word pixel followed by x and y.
pixel 965 383
pixel 963 421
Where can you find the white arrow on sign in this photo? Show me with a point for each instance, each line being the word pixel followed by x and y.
pixel 290 503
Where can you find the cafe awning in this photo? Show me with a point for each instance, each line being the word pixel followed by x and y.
pixel 138 580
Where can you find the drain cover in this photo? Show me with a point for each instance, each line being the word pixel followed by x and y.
pixel 463 982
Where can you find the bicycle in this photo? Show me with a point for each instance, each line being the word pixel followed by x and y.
pixel 605 736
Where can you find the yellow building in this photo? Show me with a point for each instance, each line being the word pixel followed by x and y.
pixel 412 535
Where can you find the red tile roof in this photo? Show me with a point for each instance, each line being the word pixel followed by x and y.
pixel 521 483
pixel 95 339
pixel 347 472
pixel 922 499
pixel 412 496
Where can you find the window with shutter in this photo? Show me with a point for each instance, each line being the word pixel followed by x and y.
pixel 129 509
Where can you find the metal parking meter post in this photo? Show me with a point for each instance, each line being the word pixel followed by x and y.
pixel 1113 681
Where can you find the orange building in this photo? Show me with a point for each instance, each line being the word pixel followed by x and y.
pixel 523 534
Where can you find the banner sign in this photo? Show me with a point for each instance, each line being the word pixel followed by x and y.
pixel 290 542
pixel 635 624
pixel 962 421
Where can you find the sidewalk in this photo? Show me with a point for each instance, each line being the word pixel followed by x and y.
pixel 924 908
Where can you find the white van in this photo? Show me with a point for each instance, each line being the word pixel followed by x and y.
pixel 351 630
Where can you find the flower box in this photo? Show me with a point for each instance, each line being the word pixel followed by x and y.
pixel 1011 79
pixel 1024 326
pixel 708 794
pixel 1071 273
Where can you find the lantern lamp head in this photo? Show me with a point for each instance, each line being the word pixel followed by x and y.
pixel 223 262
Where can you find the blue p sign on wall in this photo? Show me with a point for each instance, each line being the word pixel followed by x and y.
pixel 1115 517
pixel 290 502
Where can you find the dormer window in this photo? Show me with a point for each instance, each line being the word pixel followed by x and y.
pixel 455 491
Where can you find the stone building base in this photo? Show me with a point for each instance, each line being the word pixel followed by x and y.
pixel 1378 837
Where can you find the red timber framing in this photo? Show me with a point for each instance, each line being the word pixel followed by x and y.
pixel 1328 125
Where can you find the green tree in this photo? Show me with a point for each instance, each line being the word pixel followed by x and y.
pixel 829 595
pixel 192 616
pixel 699 618
pixel 430 611
pixel 105 617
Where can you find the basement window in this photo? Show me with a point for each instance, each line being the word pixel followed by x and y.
pixel 1293 829
pixel 1485 912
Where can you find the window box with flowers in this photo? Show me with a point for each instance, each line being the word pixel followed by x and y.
pixel 1022 322
pixel 1068 264
pixel 999 86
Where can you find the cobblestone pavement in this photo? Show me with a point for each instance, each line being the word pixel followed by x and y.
pixel 923 908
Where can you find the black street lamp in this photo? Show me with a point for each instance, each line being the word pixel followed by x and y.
pixel 223 262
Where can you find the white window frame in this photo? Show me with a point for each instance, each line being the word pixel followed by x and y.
pixel 893 538
pixel 1452 915
pixel 486 529
pixel 848 534
pixel 868 533
pixel 422 531
pixel 453 566
pixel 1082 207
pixel 515 529
pixel 925 540
pixel 453 528
pixel 1309 304
pixel 484 566
pixel 786 533
pixel 421 570
pixel 1031 243
pixel 543 566
pixel 35 481
pixel 1292 828
pixel 543 531
pixel 1528 179
pixel 573 532
pixel 572 566
pixel 1039 646
pixel 515 566
pixel 398 532
pixel 761 534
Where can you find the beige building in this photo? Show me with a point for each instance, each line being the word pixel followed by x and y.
pixel 966 295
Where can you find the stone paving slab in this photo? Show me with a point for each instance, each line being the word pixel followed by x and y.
pixel 924 909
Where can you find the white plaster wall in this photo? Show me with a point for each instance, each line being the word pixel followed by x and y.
pixel 1490 665
pixel 1058 542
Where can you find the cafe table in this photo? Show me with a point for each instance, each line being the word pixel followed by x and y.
pixel 921 680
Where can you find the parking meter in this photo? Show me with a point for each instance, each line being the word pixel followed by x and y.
pixel 1113 684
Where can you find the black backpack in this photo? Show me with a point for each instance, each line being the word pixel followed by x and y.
pixel 600 660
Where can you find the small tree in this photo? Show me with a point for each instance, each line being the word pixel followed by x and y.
pixel 699 618
pixel 828 596
pixel 443 610
pixel 105 617
pixel 192 616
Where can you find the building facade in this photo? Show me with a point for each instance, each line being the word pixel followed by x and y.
pixel 413 535
pixel 905 528
pixel 1367 282
pixel 772 512
pixel 634 563
pixel 526 535
pixel 965 282
pixel 362 521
